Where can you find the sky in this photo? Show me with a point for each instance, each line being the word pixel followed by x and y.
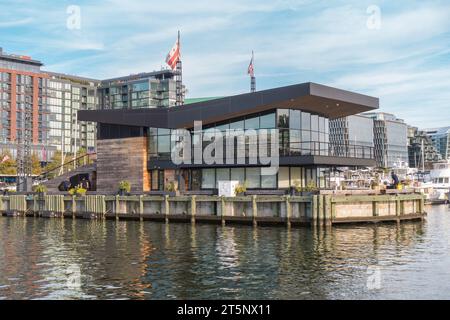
pixel 398 51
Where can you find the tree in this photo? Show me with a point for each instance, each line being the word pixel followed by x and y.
pixel 9 166
pixel 35 164
pixel 54 163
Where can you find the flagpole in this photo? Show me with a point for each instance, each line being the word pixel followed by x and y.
pixel 252 76
pixel 179 77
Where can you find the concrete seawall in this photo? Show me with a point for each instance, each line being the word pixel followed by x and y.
pixel 315 210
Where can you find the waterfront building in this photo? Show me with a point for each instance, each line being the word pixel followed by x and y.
pixel 390 139
pixel 144 90
pixel 135 145
pixel 22 89
pixel 66 95
pixel 421 149
pixel 441 140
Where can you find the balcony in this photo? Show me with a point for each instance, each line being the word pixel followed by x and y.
pixel 301 153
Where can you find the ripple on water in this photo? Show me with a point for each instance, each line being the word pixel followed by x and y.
pixel 130 260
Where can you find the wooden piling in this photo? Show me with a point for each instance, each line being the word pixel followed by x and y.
pixel 223 209
pixel 141 208
pixel 167 207
pixel 288 211
pixel 193 208
pixel 254 211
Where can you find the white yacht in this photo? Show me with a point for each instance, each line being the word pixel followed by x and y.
pixel 439 185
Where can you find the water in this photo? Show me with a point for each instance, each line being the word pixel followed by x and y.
pixel 70 259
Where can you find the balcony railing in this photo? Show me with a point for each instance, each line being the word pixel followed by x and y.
pixel 293 149
pixel 328 149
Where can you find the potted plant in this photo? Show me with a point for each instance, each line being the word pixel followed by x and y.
pixel 40 189
pixel 124 187
pixel 240 189
pixel 77 191
pixel 171 187
pixel 296 188
pixel 80 191
pixel 310 189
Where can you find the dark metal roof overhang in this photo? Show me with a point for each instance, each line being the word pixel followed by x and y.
pixel 311 97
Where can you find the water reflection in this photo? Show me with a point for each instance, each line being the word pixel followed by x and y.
pixel 134 260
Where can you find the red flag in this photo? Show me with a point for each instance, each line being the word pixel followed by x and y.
pixel 174 55
pixel 251 70
pixel 5 158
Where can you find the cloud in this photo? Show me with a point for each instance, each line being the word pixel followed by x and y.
pixel 15 23
pixel 406 63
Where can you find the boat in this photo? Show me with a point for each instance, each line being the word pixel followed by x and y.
pixel 437 189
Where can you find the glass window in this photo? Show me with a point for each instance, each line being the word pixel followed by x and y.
pixel 222 174
pixel 238 174
pixel 314 123
pixel 152 145
pixel 223 127
pixel 269 182
pixel 196 179
pixel 162 131
pixel 283 118
pixel 294 119
pixel 267 121
pixel 252 176
pixel 306 121
pixel 140 86
pixel 154 181
pixel 208 178
pixel 164 144
pixel 252 123
pixel 296 176
pixel 283 177
pixel 294 142
pixel 237 125
pixel 321 124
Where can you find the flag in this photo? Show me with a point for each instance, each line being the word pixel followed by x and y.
pixel 251 70
pixel 174 55
pixel 5 158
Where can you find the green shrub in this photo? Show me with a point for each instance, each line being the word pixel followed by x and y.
pixel 79 191
pixel 297 186
pixel 171 187
pixel 311 187
pixel 241 188
pixel 125 186
pixel 40 188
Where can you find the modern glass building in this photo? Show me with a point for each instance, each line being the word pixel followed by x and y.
pixel 66 95
pixel 390 139
pixel 355 130
pixel 135 145
pixel 441 140
pixel 421 149
pixel 144 90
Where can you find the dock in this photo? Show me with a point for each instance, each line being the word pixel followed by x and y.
pixel 309 210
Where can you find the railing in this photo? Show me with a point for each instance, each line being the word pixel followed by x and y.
pixel 304 148
pixel 315 148
pixel 68 166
